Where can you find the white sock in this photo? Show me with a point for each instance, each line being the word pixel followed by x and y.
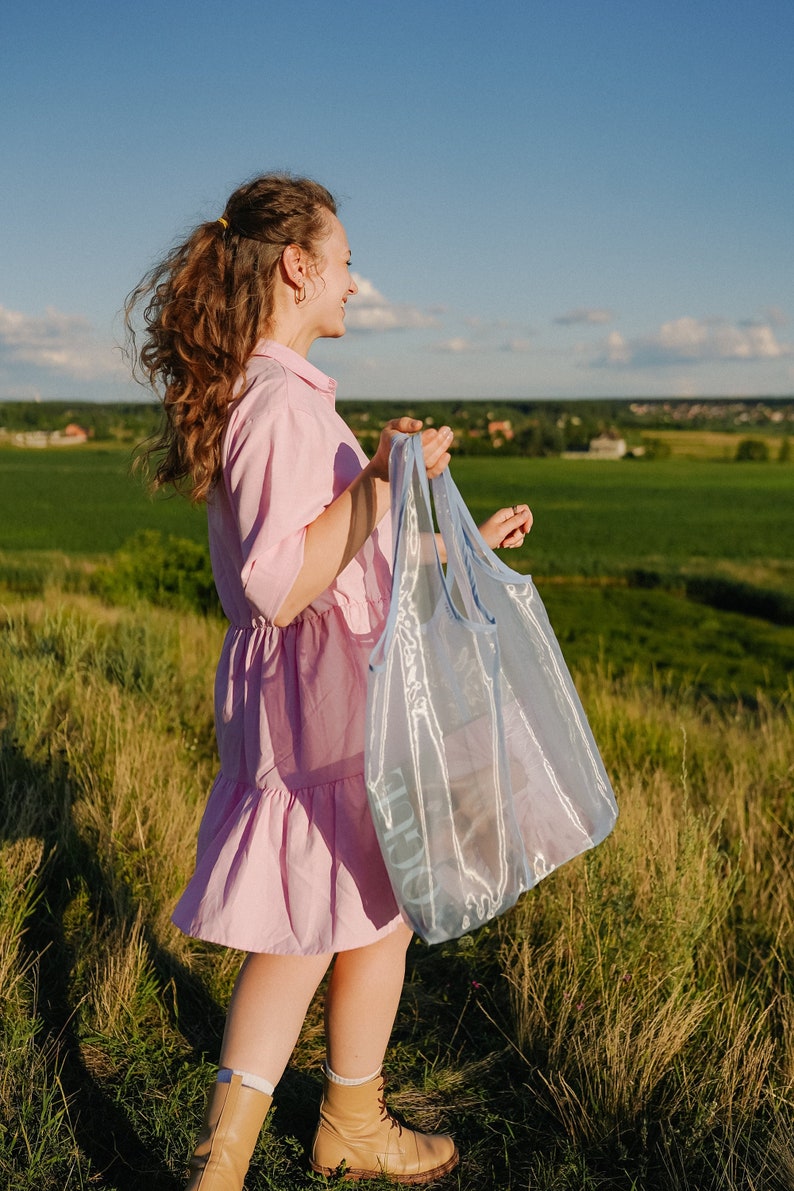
pixel 350 1083
pixel 249 1081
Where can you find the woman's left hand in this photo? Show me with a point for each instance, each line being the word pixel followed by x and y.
pixel 507 528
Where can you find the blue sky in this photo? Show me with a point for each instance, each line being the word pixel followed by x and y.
pixel 557 198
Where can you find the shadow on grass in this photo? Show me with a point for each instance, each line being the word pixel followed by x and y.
pixel 117 1155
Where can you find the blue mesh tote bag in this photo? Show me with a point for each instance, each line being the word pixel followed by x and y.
pixel 471 797
pixel 436 764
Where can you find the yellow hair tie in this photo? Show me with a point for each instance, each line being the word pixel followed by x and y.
pixel 223 222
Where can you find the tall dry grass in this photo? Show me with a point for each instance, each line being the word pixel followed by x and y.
pixel 651 986
pixel 627 1025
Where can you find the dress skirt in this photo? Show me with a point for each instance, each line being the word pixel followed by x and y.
pixel 294 872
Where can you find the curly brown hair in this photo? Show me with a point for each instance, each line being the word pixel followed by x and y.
pixel 204 306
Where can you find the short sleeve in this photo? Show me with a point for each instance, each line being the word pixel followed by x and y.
pixel 278 480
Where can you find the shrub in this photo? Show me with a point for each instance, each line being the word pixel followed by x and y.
pixel 656 448
pixel 731 595
pixel 166 570
pixel 752 450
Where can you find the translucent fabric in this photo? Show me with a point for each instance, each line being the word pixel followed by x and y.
pixel 482 772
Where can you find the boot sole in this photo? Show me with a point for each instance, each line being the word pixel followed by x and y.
pixel 414 1180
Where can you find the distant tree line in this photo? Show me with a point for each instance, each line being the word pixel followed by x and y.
pixel 533 428
pixel 539 428
pixel 130 421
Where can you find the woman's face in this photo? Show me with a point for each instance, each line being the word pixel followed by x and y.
pixel 329 283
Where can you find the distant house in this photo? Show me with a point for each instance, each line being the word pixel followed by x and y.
pixel 605 447
pixel 71 436
pixel 503 430
pixel 75 433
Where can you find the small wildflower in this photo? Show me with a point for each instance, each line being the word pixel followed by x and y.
pixel 476 984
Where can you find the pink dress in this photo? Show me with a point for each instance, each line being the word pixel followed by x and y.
pixel 288 861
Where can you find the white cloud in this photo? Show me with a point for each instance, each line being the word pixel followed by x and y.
pixel 488 335
pixel 456 345
pixel 617 350
pixel 369 310
pixel 584 314
pixel 56 341
pixel 691 340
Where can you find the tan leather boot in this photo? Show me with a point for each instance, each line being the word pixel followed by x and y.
pixel 357 1129
pixel 226 1142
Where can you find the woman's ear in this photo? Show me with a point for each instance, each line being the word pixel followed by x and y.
pixel 295 264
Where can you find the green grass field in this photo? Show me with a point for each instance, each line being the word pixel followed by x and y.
pixel 711 444
pixel 601 522
pixel 599 518
pixel 82 501
pixel 590 518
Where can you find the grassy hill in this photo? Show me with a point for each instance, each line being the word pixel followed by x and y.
pixel 628 1025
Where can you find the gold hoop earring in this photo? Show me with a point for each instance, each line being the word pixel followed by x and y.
pixel 300 295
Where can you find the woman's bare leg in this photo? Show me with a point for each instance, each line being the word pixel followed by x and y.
pixel 270 1000
pixel 361 1004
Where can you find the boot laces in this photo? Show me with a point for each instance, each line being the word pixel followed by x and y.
pixel 385 1115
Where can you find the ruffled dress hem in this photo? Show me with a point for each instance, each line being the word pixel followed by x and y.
pixel 288 872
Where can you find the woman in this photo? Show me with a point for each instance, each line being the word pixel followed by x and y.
pixel 288 867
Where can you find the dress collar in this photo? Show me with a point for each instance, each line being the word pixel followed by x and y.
pixel 298 365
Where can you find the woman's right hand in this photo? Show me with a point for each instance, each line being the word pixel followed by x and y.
pixel 435 447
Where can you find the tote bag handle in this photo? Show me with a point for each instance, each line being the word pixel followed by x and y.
pixel 412 520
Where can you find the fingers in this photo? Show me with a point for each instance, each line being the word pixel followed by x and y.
pixel 404 425
pixel 517 519
pixel 435 449
pixel 507 528
pixel 435 445
pixel 512 538
pixel 520 525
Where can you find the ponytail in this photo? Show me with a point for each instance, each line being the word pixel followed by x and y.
pixel 204 307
